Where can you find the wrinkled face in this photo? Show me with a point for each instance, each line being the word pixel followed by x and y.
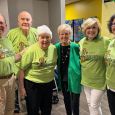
pixel 113 26
pixel 92 32
pixel 64 36
pixel 24 21
pixel 44 40
pixel 3 26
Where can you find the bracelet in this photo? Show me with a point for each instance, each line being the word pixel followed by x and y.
pixel 22 89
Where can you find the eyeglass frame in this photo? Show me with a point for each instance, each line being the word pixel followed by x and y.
pixel 113 25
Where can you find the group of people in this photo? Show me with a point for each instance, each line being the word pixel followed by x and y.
pixel 27 61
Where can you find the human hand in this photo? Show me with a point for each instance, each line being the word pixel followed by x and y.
pixel 55 67
pixel 23 93
pixel 21 53
pixel 0 96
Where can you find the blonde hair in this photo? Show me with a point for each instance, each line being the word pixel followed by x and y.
pixel 64 27
pixel 43 29
pixel 89 22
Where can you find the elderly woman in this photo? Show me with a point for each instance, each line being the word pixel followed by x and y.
pixel 110 72
pixel 37 73
pixel 69 71
pixel 92 51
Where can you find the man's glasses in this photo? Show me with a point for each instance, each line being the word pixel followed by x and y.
pixel 1 23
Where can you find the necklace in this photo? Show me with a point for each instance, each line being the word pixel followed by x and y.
pixel 65 54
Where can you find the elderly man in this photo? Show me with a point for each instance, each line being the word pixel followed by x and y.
pixel 22 37
pixel 7 65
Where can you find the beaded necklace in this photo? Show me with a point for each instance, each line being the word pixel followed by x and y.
pixel 65 55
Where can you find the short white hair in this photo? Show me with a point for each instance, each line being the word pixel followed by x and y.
pixel 43 29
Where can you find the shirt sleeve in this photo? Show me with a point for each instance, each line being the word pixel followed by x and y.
pixel 8 36
pixel 26 60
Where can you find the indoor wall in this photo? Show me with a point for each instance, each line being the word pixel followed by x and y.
pixel 38 10
pixel 4 11
pixel 108 9
pixel 84 9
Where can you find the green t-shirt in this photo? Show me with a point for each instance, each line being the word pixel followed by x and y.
pixel 20 41
pixel 7 62
pixel 39 64
pixel 110 61
pixel 92 62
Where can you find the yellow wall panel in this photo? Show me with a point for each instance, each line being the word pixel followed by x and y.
pixel 108 9
pixel 84 9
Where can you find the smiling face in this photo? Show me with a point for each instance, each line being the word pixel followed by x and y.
pixel 113 26
pixel 24 21
pixel 44 40
pixel 64 35
pixel 92 32
pixel 3 26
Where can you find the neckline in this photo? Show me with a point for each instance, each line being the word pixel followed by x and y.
pixel 2 38
pixel 95 38
pixel 65 46
pixel 22 33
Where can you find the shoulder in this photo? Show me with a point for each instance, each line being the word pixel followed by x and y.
pixel 74 45
pixel 112 41
pixel 13 33
pixel 82 40
pixel 8 41
pixel 57 45
pixel 34 30
pixel 105 38
pixel 31 50
pixel 52 46
pixel 14 30
pixel 33 47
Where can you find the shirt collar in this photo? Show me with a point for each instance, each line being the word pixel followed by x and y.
pixel 96 37
pixel 1 38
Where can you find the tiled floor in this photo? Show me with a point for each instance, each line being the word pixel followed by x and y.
pixel 59 109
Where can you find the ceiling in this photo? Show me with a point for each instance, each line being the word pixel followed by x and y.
pixel 70 1
pixel 66 1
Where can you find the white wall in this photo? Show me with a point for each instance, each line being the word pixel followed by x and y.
pixel 56 17
pixel 4 11
pixel 108 9
pixel 62 2
pixel 38 10
pixel 50 13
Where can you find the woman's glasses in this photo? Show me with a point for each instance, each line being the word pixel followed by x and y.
pixel 113 25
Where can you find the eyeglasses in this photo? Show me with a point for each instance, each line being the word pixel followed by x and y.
pixel 113 25
pixel 1 23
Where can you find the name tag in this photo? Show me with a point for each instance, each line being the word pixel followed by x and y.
pixel 6 50
pixel 85 43
pixel 111 45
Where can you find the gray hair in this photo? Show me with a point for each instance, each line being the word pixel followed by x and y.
pixel 43 29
